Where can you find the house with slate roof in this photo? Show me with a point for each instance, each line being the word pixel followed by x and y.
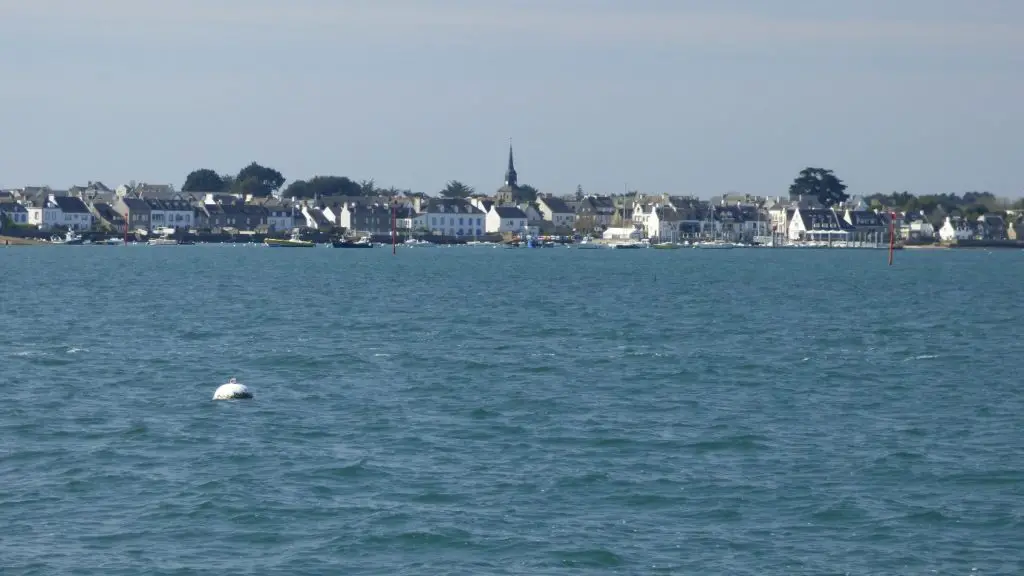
pixel 43 211
pixel 818 225
pixel 991 227
pixel 868 226
pixel 556 211
pixel 663 224
pixel 448 217
pixel 14 212
pixel 135 211
pixel 506 219
pixel 372 219
pixel 75 213
pixel 105 215
pixel 170 213
pixel 595 213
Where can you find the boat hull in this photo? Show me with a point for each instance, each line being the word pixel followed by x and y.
pixel 351 245
pixel 274 243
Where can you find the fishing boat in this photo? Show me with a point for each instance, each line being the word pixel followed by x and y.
pixel 293 242
pixel 71 238
pixel 587 243
pixel 363 242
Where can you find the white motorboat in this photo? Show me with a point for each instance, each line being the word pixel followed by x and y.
pixel 71 238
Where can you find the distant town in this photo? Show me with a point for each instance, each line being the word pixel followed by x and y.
pixel 815 211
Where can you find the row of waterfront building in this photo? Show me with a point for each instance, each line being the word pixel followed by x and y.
pixel 663 218
pixel 512 209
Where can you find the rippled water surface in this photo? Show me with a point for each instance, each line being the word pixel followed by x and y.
pixel 489 411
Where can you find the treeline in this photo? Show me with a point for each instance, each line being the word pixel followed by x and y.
pixel 260 181
pixel 937 206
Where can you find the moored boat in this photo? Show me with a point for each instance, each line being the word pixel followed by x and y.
pixel 294 242
pixel 71 238
pixel 363 242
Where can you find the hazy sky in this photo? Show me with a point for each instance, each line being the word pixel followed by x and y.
pixel 683 96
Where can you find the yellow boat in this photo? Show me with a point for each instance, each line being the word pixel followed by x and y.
pixel 293 242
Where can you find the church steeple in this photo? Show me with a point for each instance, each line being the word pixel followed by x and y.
pixel 511 180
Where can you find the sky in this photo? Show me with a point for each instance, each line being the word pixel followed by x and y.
pixel 698 97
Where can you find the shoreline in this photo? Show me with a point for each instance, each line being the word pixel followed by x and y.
pixel 15 241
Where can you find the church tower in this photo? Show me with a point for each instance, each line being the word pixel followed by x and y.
pixel 511 180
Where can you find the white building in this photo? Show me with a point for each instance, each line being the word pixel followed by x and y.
pixel 279 217
pixel 170 213
pixel 506 219
pixel 448 217
pixel 818 225
pixel 662 224
pixel 625 233
pixel 954 230
pixel 75 214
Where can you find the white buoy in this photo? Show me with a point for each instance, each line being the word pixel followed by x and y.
pixel 232 391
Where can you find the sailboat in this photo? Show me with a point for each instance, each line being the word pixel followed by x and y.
pixel 715 243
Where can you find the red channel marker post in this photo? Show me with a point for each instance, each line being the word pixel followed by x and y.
pixel 892 235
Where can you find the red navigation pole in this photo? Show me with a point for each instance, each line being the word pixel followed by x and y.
pixel 892 235
pixel 394 241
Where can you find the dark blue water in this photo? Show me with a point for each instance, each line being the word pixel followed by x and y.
pixel 487 411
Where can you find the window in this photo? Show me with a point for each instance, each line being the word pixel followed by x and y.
pixel 460 221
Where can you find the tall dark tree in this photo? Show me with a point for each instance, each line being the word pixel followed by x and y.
pixel 456 189
pixel 821 184
pixel 204 180
pixel 528 193
pixel 579 192
pixel 267 179
pixel 250 187
pixel 368 187
pixel 323 186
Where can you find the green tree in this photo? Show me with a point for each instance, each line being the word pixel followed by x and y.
pixel 527 192
pixel 821 184
pixel 323 186
pixel 456 189
pixel 250 186
pixel 297 189
pixel 267 180
pixel 579 191
pixel 368 187
pixel 204 180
